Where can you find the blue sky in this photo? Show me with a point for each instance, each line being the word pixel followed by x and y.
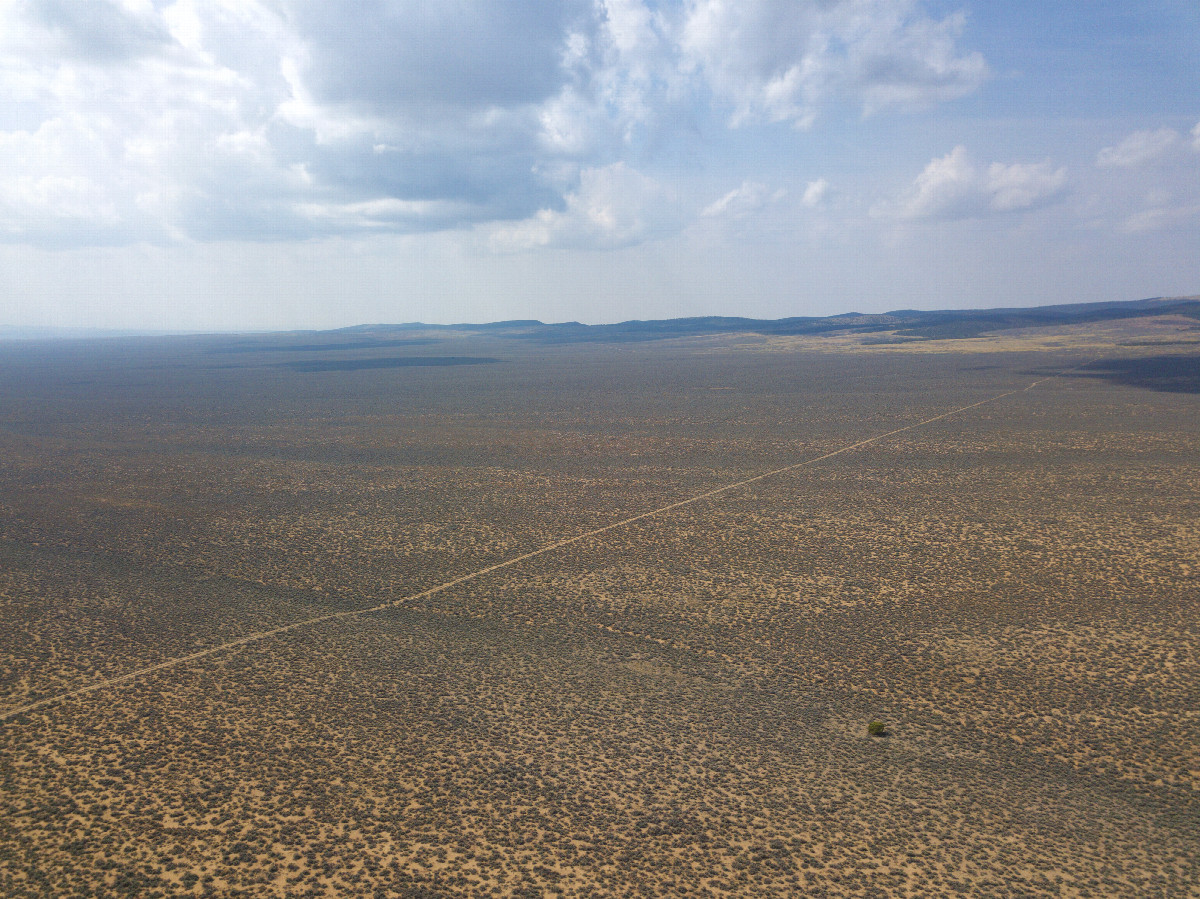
pixel 245 164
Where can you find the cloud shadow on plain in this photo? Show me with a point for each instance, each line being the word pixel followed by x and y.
pixel 318 365
pixel 1168 374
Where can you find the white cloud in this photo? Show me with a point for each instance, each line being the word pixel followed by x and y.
pixel 1149 182
pixel 815 193
pixel 614 206
pixel 1022 186
pixel 385 214
pixel 742 201
pixel 99 30
pixel 1153 219
pixel 225 125
pixel 147 130
pixel 947 187
pixel 127 120
pixel 954 187
pixel 781 60
pixel 1140 148
pixel 570 124
pixel 55 183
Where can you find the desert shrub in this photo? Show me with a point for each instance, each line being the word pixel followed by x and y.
pixel 877 729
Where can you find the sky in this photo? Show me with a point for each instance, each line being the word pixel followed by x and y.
pixel 293 164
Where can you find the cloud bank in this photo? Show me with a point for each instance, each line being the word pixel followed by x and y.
pixel 214 120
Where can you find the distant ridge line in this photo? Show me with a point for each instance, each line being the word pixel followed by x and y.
pixel 933 324
pixel 909 324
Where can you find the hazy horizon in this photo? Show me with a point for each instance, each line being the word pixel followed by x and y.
pixel 49 332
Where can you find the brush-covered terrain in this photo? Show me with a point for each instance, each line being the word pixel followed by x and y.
pixel 677 705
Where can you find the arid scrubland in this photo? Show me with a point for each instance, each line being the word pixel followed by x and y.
pixel 676 706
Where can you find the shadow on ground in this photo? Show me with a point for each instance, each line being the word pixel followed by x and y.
pixel 1170 374
pixel 396 362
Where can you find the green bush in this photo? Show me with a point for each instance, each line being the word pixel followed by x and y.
pixel 877 729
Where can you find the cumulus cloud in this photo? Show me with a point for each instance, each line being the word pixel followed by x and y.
pixel 66 180
pixel 954 187
pixel 414 57
pixel 127 120
pixel 614 206
pixel 99 30
pixel 948 187
pixel 783 61
pixel 1022 186
pixel 1150 147
pixel 1140 148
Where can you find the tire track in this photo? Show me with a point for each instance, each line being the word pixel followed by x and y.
pixel 257 636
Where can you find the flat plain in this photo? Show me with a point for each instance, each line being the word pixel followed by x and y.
pixel 674 706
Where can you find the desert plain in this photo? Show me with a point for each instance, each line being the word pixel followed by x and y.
pixel 405 612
